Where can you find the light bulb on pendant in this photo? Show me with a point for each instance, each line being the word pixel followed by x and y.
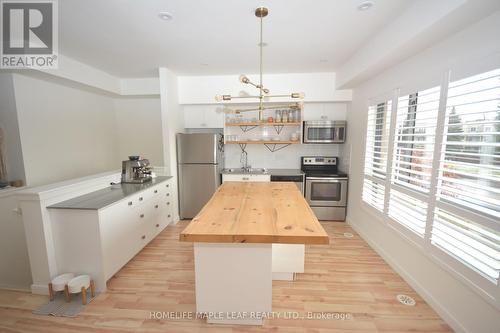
pixel 300 95
pixel 220 98
pixel 244 79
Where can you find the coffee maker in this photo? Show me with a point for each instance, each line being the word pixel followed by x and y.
pixel 136 170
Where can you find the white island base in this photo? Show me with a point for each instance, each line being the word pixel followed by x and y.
pixel 288 259
pixel 234 281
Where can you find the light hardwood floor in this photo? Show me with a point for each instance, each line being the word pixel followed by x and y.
pixel 346 276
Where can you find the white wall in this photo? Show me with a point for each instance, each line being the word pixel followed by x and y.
pixel 172 122
pixel 318 87
pixel 138 128
pixel 9 125
pixel 15 270
pixel 78 72
pixel 473 50
pixel 66 131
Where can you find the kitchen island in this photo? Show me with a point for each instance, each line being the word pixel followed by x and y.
pixel 233 238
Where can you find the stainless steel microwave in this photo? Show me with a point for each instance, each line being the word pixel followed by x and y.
pixel 324 131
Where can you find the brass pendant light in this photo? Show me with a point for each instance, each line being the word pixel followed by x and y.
pixel 260 12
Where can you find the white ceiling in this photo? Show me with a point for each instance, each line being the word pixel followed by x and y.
pixel 127 39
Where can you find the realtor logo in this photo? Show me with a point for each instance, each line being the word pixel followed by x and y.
pixel 29 34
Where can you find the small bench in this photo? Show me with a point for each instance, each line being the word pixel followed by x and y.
pixel 79 284
pixel 59 284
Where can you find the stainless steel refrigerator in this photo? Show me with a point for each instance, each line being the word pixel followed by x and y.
pixel 199 161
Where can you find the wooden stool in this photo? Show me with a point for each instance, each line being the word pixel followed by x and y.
pixel 59 284
pixel 80 284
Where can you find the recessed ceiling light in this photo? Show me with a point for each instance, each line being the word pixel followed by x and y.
pixel 166 16
pixel 365 5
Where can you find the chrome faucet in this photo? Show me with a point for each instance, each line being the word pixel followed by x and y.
pixel 244 161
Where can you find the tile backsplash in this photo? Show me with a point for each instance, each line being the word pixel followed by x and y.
pixel 287 158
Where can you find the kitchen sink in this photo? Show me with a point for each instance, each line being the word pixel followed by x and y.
pixel 258 171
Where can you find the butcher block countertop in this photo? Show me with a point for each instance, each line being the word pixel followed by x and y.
pixel 256 212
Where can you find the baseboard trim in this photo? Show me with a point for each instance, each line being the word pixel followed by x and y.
pixel 40 289
pixel 421 290
pixel 14 288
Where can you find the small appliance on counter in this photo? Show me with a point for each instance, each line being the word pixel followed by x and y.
pixel 324 131
pixel 136 170
pixel 326 187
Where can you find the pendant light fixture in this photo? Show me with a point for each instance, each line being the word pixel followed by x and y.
pixel 261 12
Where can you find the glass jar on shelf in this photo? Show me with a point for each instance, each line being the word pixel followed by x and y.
pixel 284 116
pixel 277 117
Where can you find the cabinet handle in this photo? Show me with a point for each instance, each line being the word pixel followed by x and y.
pixel 156 206
pixel 143 237
pixel 168 202
pixel 141 198
pixel 156 191
pixel 246 178
pixel 142 216
pixel 157 225
pixel 168 215
pixel 168 194
pixel 130 203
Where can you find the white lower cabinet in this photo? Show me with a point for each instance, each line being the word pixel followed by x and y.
pixel 101 242
pixel 245 178
pixel 129 226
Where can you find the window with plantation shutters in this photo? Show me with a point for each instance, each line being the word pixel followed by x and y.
pixel 414 139
pixel 471 242
pixel 415 132
pixel 376 154
pixel 432 170
pixel 470 167
pixel 373 194
pixel 469 175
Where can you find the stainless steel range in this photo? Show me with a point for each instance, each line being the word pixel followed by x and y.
pixel 325 188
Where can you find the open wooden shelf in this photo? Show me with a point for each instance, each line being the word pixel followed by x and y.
pixel 269 142
pixel 263 124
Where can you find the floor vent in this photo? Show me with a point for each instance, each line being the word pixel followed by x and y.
pixel 348 235
pixel 406 300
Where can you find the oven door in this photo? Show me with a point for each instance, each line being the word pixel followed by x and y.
pixel 326 192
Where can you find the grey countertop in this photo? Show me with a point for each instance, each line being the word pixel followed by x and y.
pixel 107 196
pixel 263 171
